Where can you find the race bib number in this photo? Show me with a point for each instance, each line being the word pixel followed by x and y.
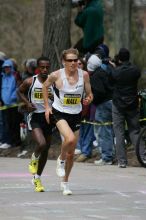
pixel 72 99
pixel 38 95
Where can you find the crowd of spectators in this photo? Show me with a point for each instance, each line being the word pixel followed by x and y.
pixel 114 86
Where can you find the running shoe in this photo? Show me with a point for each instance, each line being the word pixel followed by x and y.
pixel 77 151
pixel 81 158
pixel 33 165
pixel 38 185
pixel 5 146
pixel 65 188
pixel 122 165
pixel 60 169
pixel 102 162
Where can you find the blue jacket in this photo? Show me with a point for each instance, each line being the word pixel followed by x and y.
pixel 9 86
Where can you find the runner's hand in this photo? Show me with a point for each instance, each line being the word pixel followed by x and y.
pixel 86 101
pixel 30 107
pixel 47 114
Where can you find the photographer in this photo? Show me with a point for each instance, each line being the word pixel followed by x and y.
pixel 90 19
pixel 125 106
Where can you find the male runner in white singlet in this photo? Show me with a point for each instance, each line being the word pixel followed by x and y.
pixel 69 86
pixel 37 124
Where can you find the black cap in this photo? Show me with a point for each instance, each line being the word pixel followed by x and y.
pixel 102 50
pixel 124 54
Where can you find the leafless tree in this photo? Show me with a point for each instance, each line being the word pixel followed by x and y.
pixel 21 28
pixel 122 20
pixel 56 38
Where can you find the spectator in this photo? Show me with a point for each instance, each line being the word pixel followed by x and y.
pixel 82 63
pixel 2 59
pixel 10 115
pixel 86 133
pixel 30 66
pixel 16 72
pixel 90 19
pixel 125 104
pixel 102 92
pixel 2 56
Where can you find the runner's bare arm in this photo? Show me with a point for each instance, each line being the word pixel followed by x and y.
pixel 89 96
pixel 49 81
pixel 23 88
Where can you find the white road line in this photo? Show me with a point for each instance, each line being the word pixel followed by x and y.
pixel 143 192
pixel 15 187
pixel 122 194
pixel 58 203
pixel 98 217
pixel 125 176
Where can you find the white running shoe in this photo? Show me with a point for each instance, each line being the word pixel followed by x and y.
pixel 5 146
pixel 23 153
pixel 102 162
pixel 60 169
pixel 77 151
pixel 65 188
pixel 122 165
pixel 95 144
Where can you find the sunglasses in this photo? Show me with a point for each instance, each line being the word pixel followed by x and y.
pixel 71 60
pixel 44 67
pixel 79 63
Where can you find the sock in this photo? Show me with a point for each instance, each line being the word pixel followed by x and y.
pixel 61 161
pixel 33 157
pixel 36 176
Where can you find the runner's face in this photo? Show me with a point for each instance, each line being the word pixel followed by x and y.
pixel 71 62
pixel 44 67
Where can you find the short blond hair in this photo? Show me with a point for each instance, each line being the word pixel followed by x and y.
pixel 69 51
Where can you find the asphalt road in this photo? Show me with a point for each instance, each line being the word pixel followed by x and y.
pixel 103 193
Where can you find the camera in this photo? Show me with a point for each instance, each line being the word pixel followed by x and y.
pixel 76 3
pixel 105 61
pixel 116 60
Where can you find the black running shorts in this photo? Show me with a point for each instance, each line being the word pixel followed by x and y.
pixel 38 120
pixel 73 120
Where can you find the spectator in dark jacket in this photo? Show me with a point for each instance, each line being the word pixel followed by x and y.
pixel 102 92
pixel 125 104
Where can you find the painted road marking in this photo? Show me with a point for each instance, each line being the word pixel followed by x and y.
pixel 143 192
pixel 15 187
pixel 58 203
pixel 9 175
pixel 97 217
pixel 122 194
pixel 29 185
pixel 140 202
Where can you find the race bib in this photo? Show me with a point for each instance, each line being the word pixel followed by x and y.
pixel 38 95
pixel 72 99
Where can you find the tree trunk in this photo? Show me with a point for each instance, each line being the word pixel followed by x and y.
pixel 122 18
pixel 56 37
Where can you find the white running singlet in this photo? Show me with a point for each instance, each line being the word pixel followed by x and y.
pixel 68 98
pixel 35 95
